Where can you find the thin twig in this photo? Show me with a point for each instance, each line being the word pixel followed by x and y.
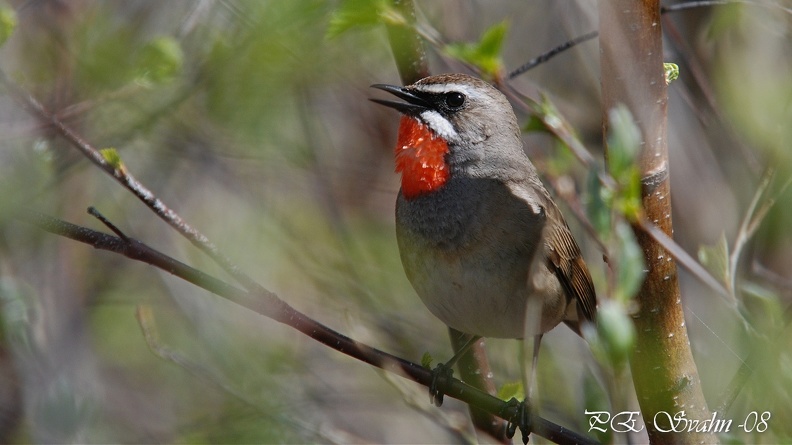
pixel 33 106
pixel 707 3
pixel 95 213
pixel 743 234
pixel 284 313
pixel 145 318
pixel 757 355
pixel 753 219
pixel 542 58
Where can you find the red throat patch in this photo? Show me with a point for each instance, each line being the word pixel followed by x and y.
pixel 420 158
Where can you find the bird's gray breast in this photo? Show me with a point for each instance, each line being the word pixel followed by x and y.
pixel 467 249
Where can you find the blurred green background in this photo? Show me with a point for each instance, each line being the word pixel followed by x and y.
pixel 251 120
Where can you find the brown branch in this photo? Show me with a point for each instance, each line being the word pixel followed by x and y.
pixel 285 314
pixel 664 373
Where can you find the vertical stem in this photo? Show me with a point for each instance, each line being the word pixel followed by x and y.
pixel 474 370
pixel 407 46
pixel 665 375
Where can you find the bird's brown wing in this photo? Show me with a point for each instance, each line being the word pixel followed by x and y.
pixel 565 259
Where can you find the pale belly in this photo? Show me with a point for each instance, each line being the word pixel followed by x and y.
pixel 484 291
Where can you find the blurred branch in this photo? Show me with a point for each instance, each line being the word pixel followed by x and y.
pixel 707 3
pixel 408 50
pixel 751 222
pixel 148 326
pixel 761 352
pixel 145 318
pixel 284 313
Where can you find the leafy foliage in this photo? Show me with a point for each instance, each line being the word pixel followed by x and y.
pixel 358 13
pixel 623 146
pixel 8 22
pixel 160 60
pixel 512 390
pixel 716 258
pixel 485 54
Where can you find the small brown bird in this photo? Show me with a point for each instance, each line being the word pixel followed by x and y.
pixel 480 238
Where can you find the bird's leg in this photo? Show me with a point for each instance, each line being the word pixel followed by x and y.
pixel 522 418
pixel 443 371
pixel 534 361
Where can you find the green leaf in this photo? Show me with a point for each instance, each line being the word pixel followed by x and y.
pixel 15 316
pixel 630 263
pixel 761 307
pixel 598 206
pixel 426 360
pixel 671 71
pixel 595 398
pixel 512 390
pixel 624 143
pixel 535 124
pixel 160 60
pixel 360 13
pixel 112 157
pixel 716 258
pixel 725 19
pixel 616 333
pixel 8 21
pixel 484 54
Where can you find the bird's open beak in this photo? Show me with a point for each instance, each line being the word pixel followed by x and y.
pixel 414 104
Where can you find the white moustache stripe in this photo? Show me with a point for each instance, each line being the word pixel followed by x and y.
pixel 439 125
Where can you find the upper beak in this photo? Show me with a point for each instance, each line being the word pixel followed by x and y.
pixel 413 106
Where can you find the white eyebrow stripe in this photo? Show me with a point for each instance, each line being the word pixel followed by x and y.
pixel 440 88
pixel 440 125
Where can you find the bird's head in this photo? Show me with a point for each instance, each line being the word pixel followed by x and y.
pixel 450 122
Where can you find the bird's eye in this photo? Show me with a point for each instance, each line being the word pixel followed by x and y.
pixel 454 100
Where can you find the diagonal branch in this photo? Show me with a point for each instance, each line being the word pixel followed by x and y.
pixel 35 108
pixel 284 313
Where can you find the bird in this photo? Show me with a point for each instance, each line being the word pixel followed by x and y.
pixel 481 240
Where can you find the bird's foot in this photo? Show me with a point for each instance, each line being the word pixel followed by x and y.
pixel 440 377
pixel 521 419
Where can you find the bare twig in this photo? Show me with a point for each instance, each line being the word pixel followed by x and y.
pixel 542 58
pixel 708 3
pixel 121 175
pixel 145 317
pixel 762 352
pixel 751 222
pixel 284 313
